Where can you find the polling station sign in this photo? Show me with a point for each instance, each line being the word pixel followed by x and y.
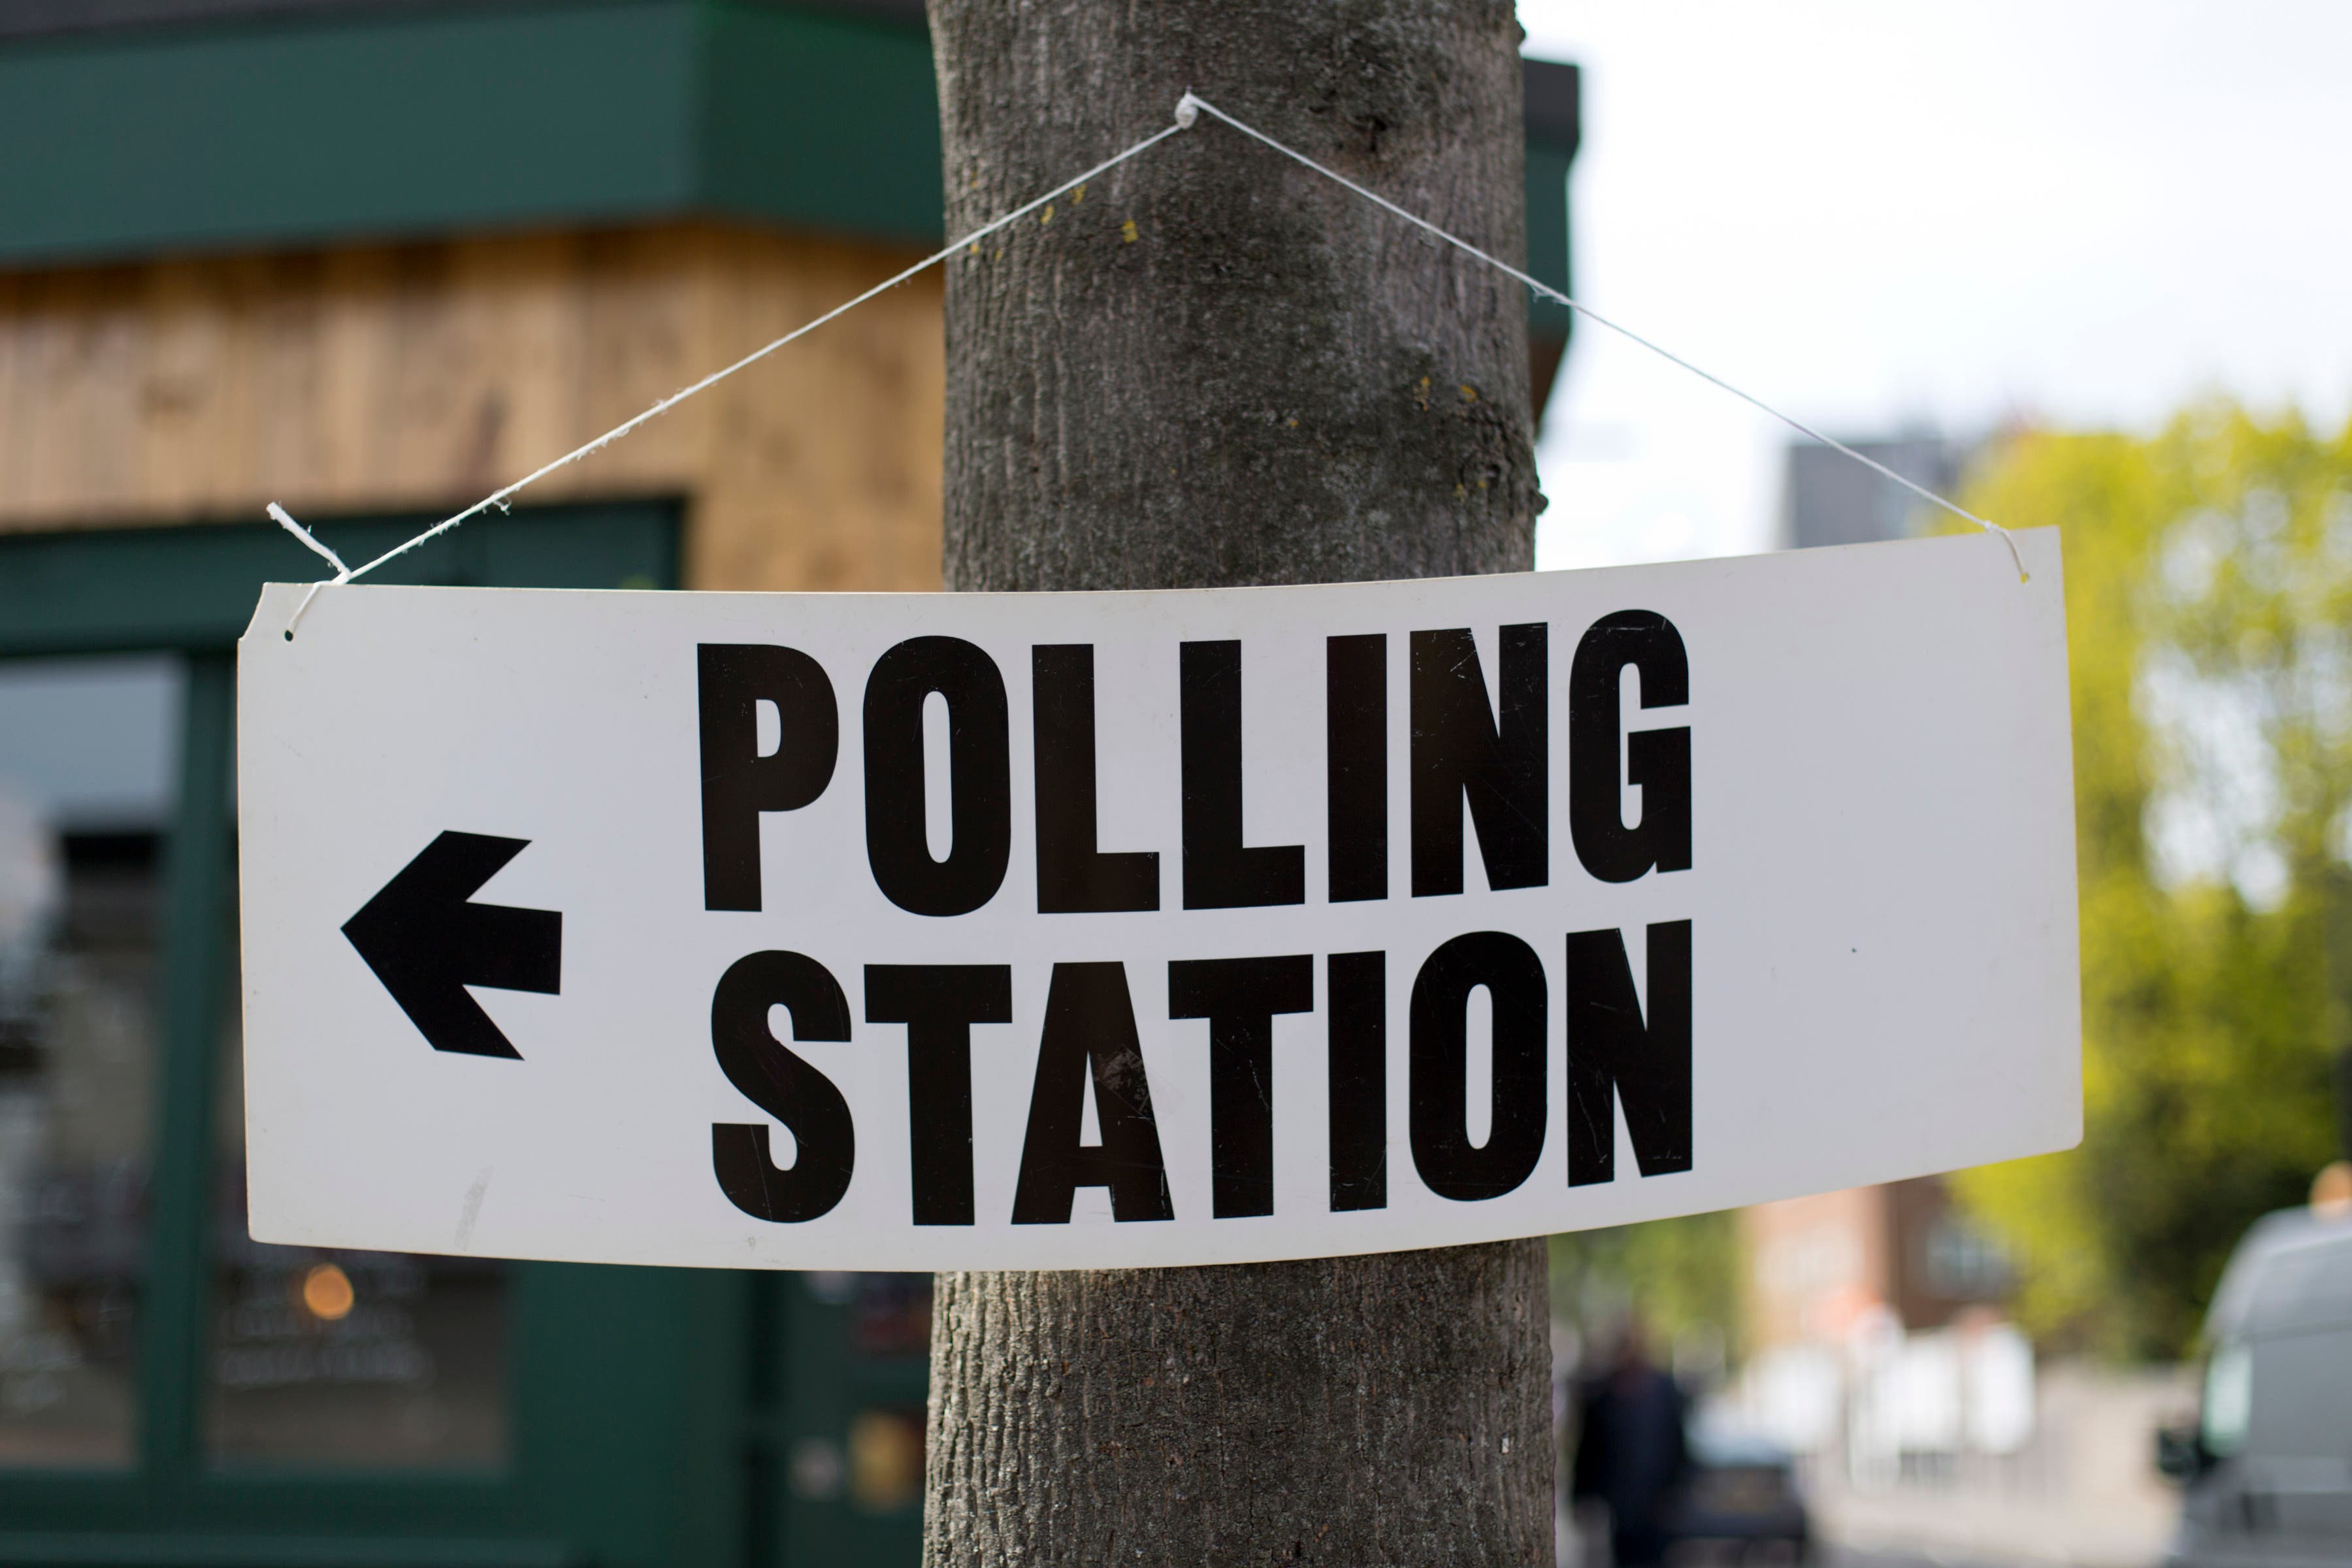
pixel 1086 930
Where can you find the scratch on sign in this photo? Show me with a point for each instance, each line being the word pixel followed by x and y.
pixel 472 1211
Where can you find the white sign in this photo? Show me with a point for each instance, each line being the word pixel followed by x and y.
pixel 1099 930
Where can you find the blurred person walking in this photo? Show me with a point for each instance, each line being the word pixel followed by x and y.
pixel 1631 1452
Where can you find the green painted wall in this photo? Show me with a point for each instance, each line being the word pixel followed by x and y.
pixel 657 1413
pixel 1548 231
pixel 302 128
pixel 820 121
pixel 298 131
pixel 628 1387
pixel 193 588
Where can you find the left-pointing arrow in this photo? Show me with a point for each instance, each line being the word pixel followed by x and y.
pixel 427 943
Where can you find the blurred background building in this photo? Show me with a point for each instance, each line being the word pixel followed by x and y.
pixel 2171 393
pixel 1878 1336
pixel 1827 498
pixel 1979 1366
pixel 374 258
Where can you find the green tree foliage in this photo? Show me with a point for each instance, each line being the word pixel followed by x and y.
pixel 1678 1278
pixel 2208 583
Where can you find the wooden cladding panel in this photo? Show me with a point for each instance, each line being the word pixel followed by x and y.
pixel 424 377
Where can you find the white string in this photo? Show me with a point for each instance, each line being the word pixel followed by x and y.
pixel 1187 110
pixel 1548 292
pixel 342 573
pixel 499 499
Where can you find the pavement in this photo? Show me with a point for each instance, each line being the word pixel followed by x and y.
pixel 1973 1528
pixel 1978 1524
pixel 1855 1557
pixel 1964 1529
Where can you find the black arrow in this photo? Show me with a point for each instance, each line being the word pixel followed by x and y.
pixel 427 943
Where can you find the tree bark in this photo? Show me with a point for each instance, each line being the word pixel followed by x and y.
pixel 1211 368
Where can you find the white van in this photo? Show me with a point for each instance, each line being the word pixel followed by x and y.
pixel 2267 1470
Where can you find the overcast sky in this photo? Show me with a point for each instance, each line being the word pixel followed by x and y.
pixel 1874 214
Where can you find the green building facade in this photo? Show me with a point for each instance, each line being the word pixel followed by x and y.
pixel 203 199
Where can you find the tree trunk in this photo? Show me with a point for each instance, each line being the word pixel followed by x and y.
pixel 1209 367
